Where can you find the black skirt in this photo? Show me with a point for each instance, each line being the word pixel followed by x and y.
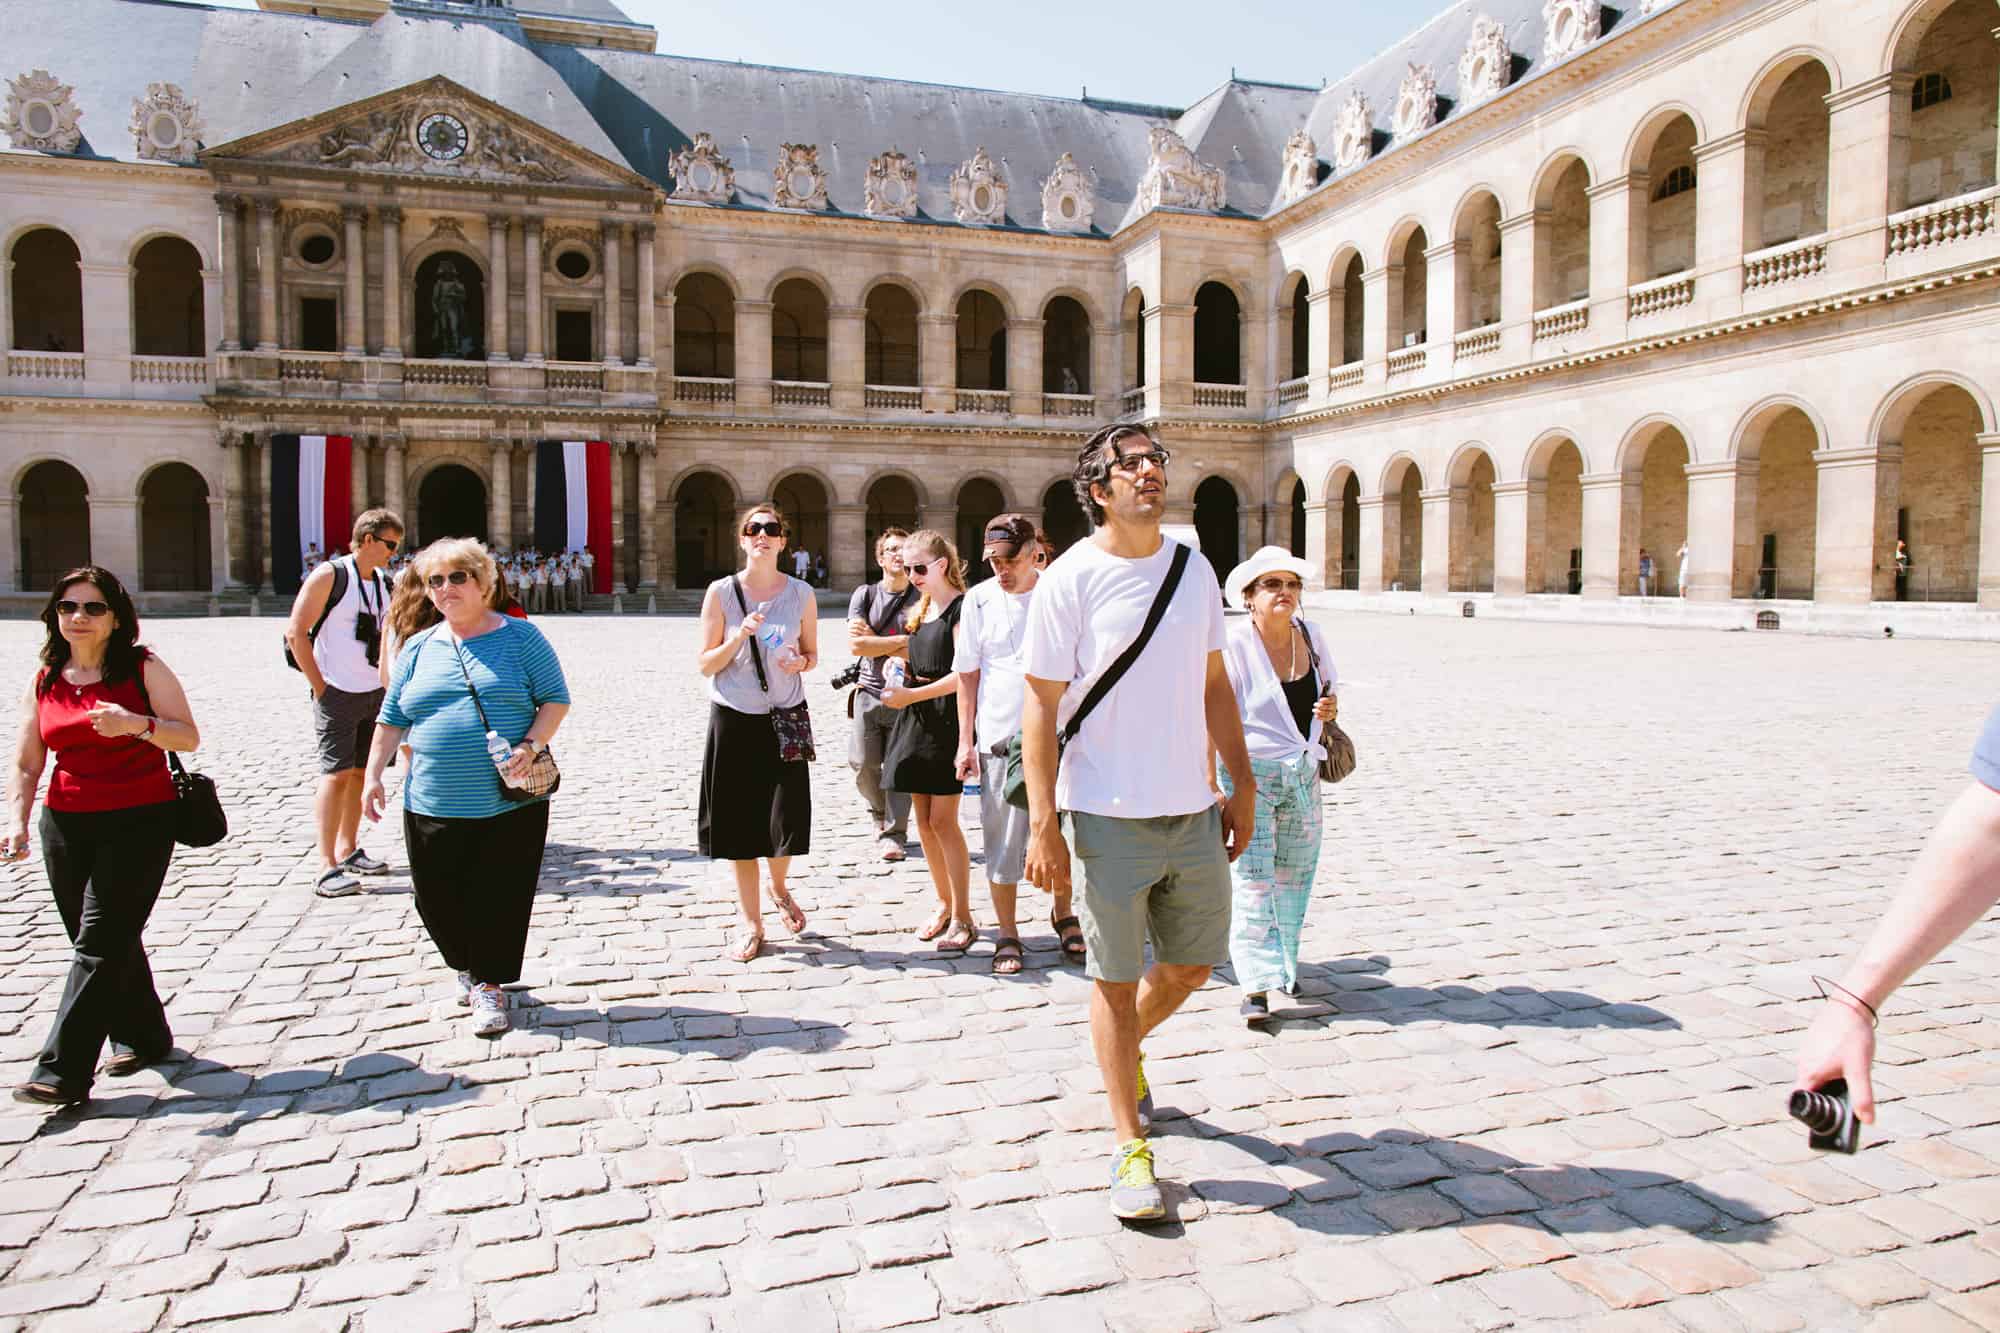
pixel 752 803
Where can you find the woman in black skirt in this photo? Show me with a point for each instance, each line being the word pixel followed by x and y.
pixel 759 635
pixel 921 756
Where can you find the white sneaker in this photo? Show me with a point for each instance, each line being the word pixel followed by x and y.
pixel 465 988
pixel 489 1011
pixel 336 883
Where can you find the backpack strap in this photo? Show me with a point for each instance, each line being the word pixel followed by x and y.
pixel 333 596
pixel 1131 654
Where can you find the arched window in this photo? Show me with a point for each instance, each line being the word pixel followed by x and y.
pixel 54 507
pixel 1301 331
pixel 891 337
pixel 1930 89
pixel 704 328
pixel 1065 347
pixel 47 292
pixel 798 332
pixel 1218 335
pixel 1679 181
pixel 982 342
pixel 166 299
pixel 173 530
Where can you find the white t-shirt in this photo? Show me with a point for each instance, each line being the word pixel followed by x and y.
pixel 801 561
pixel 992 637
pixel 1142 750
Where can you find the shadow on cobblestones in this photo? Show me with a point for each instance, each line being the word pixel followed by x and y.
pixel 1352 988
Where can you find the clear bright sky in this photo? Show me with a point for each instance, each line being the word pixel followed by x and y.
pixel 1170 52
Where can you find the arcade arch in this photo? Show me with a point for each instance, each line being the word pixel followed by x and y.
pixel 1780 441
pixel 1562 235
pixel 46 293
pixel 979 500
pixel 53 502
pixel 982 341
pixel 1217 523
pixel 704 529
pixel 891 502
pixel 798 332
pixel 1402 525
pixel 1949 51
pixel 1352 324
pixel 167 299
pixel 1787 191
pixel 174 551
pixel 1472 535
pixel 1658 460
pixel 891 333
pixel 1936 494
pixel 1063 520
pixel 1218 335
pixel 704 328
pixel 1667 235
pixel 451 502
pixel 1065 346
pixel 1477 267
pixel 1555 517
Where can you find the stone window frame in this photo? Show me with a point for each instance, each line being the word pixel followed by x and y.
pixel 591 274
pixel 1681 180
pixel 589 303
pixel 292 336
pixel 1929 90
pixel 306 231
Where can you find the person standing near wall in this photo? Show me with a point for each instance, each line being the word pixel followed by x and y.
pixel 874 635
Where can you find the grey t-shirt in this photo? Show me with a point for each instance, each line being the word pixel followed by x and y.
pixel 884 612
pixel 736 685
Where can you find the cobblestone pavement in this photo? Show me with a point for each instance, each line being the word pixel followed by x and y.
pixel 1555 979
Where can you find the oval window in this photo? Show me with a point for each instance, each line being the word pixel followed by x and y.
pixel 701 176
pixel 573 264
pixel 801 183
pixel 1068 206
pixel 316 249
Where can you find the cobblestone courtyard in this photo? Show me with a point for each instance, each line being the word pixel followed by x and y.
pixel 1554 982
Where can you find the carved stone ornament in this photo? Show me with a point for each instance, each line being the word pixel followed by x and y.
pixel 891 188
pixel 42 114
pixel 979 191
pixel 1301 167
pixel 503 151
pixel 166 124
pixel 701 173
pixel 296 220
pixel 1354 135
pixel 447 229
pixel 1569 26
pixel 1067 204
pixel 799 181
pixel 1488 63
pixel 1416 102
pixel 435 138
pixel 1176 178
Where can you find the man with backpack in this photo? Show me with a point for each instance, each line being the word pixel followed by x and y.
pixel 875 634
pixel 335 638
pixel 1125 654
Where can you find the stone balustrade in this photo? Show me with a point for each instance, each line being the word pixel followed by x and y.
pixel 1559 321
pixel 1943 222
pixel 1661 294
pixel 1780 264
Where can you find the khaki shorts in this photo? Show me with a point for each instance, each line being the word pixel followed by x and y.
pixel 1005 826
pixel 1168 877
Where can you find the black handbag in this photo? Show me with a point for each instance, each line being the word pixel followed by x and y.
pixel 544 778
pixel 1015 786
pixel 198 817
pixel 1340 758
pixel 793 725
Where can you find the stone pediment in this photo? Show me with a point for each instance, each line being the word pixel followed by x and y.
pixel 434 130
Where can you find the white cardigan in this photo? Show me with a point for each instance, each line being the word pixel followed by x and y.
pixel 1260 696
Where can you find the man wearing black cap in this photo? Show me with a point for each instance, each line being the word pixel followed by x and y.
pixel 992 631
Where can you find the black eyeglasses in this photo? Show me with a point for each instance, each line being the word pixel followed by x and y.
pixel 923 570
pixel 456 578
pixel 88 610
pixel 1159 458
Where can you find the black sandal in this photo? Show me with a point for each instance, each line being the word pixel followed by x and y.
pixel 1070 931
pixel 1009 950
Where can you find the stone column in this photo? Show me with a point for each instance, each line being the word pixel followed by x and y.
pixel 650 517
pixel 1375 293
pixel 1722 531
pixel 668 563
pixel 496 286
pixel 10 542
pixel 1868 162
pixel 114 535
pixel 1989 522
pixel 847 534
pixel 1319 346
pixel 1459 575
pixel 392 280
pixel 1169 358
pixel 614 302
pixel 645 298
pixel 937 361
pixel 1441 275
pixel 1435 575
pixel 1253 362
pixel 357 477
pixel 1855 536
pixel 219 531
pixel 107 324
pixel 1517 283
pixel 846 356
pixel 1603 524
pixel 753 354
pixel 229 258
pixel 500 491
pixel 619 555
pixel 1723 222
pixel 234 558
pixel 1319 549
pixel 1518 508
pixel 1379 514
pixel 393 450
pixel 267 275
pixel 259 454
pixel 1614 236
pixel 354 261
pixel 531 287
pixel 1024 367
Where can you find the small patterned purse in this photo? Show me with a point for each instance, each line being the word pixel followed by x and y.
pixel 793 725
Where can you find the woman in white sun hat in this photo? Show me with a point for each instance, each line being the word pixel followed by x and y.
pixel 1284 680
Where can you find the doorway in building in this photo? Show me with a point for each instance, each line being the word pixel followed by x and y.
pixel 451 503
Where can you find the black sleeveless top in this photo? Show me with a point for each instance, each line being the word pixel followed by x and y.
pixel 1302 694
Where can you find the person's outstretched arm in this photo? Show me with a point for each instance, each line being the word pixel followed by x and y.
pixel 1954 882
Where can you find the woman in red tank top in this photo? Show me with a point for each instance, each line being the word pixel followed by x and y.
pixel 107 709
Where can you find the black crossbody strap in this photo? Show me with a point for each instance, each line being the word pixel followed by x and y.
pixel 1131 654
pixel 756 658
pixel 474 690
pixel 1312 656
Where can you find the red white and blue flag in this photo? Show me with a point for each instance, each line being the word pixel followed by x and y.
pixel 310 502
pixel 573 502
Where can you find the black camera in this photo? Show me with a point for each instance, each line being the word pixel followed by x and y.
pixel 369 635
pixel 1827 1116
pixel 847 675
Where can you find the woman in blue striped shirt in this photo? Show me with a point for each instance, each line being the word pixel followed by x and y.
pixel 474 853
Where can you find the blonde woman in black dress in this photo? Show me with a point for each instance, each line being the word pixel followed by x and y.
pixel 921 756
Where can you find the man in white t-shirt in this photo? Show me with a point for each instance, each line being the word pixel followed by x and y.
pixel 802 563
pixel 992 636
pixel 1132 785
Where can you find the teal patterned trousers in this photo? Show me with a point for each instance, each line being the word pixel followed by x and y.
pixel 1273 878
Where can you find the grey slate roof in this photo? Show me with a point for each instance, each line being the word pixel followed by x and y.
pixel 251 71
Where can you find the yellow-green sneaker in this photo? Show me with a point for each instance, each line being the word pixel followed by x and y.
pixel 1135 1194
pixel 1145 1099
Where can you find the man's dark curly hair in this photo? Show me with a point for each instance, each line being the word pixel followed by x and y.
pixel 1093 465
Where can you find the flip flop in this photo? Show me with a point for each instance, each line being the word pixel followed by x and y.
pixel 1070 931
pixel 949 943
pixel 1008 957
pixel 936 927
pixel 793 917
pixel 748 945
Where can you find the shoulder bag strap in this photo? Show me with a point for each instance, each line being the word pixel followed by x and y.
pixel 1131 653
pixel 1312 656
pixel 756 658
pixel 902 599
pixel 472 689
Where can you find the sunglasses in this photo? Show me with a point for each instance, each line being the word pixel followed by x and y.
pixel 88 610
pixel 1277 585
pixel 924 570
pixel 1159 458
pixel 386 541
pixel 767 529
pixel 457 578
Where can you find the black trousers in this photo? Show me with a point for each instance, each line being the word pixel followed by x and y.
pixel 105 868
pixel 475 885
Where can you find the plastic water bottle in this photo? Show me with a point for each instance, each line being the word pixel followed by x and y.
pixel 497 749
pixel 892 673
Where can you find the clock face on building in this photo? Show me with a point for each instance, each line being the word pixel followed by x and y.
pixel 442 136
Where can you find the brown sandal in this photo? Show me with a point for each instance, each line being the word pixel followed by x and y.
pixel 1070 932
pixel 748 945
pixel 1009 957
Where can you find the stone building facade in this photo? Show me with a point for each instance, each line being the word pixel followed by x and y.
pixel 1547 284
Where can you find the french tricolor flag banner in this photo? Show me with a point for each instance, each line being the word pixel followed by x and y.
pixel 573 502
pixel 311 491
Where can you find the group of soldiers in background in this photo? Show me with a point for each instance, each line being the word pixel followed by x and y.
pixel 538 582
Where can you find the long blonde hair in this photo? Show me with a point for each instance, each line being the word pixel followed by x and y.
pixel 935 543
pixel 410 608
